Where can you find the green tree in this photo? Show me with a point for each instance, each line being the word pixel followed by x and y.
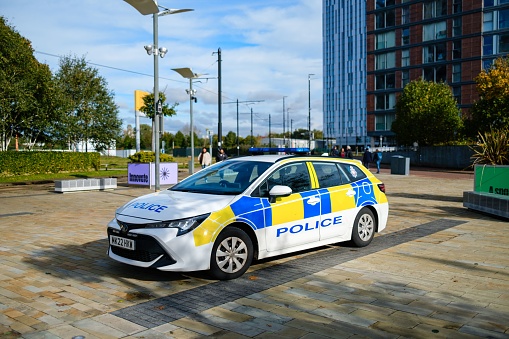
pixel 491 111
pixel 145 137
pixel 230 140
pixel 426 113
pixel 25 89
pixel 90 113
pixel 148 106
pixel 180 139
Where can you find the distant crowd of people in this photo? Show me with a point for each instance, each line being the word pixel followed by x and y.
pixel 367 157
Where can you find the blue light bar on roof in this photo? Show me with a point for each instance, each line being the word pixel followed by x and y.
pixel 286 150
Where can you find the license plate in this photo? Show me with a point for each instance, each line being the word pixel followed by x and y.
pixel 128 244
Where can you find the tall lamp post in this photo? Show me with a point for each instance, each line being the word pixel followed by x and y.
pixel 146 7
pixel 188 74
pixel 309 110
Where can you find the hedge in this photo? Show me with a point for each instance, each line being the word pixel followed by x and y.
pixel 40 162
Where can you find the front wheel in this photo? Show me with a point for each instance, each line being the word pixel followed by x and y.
pixel 232 254
pixel 363 228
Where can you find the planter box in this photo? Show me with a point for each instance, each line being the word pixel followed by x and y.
pixel 491 190
pixel 76 185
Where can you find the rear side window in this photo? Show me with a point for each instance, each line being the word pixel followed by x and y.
pixel 353 172
pixel 329 174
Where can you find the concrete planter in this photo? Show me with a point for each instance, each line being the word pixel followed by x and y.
pixel 491 190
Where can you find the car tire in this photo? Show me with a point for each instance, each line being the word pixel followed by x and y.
pixel 364 228
pixel 232 254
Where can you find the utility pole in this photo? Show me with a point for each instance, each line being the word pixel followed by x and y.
pixel 241 102
pixel 219 99
pixel 284 113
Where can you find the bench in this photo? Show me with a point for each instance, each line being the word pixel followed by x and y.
pixel 76 185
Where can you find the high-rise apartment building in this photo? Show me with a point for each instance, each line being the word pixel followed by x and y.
pixel 438 40
pixel 344 71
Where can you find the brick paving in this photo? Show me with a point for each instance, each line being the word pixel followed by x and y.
pixel 438 270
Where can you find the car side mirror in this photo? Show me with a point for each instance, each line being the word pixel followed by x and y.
pixel 279 191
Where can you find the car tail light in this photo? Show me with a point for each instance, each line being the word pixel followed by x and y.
pixel 381 186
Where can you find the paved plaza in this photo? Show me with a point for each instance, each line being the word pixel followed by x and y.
pixel 437 271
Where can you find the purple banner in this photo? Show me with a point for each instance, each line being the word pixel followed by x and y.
pixel 143 174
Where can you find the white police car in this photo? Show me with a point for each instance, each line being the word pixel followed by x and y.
pixel 226 215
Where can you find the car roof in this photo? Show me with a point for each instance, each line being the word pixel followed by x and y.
pixel 273 158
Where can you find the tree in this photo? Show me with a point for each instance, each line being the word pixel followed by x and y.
pixel 230 140
pixel 426 113
pixel 145 137
pixel 491 111
pixel 180 140
pixel 25 89
pixel 90 113
pixel 148 106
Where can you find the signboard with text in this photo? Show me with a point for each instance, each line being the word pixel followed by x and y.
pixel 143 173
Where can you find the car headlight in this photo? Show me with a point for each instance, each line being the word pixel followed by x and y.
pixel 184 225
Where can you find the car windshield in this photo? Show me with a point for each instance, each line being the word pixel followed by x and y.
pixel 229 177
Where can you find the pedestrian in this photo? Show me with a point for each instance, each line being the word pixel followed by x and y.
pixel 342 154
pixel 377 158
pixel 204 158
pixel 334 152
pixel 349 154
pixel 366 157
pixel 221 155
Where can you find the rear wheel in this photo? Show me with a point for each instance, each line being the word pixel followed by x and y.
pixel 363 228
pixel 232 254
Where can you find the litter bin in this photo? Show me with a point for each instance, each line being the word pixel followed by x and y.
pixel 400 165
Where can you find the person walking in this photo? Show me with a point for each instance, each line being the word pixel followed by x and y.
pixel 221 155
pixel 349 153
pixel 334 152
pixel 204 158
pixel 342 154
pixel 377 158
pixel 366 157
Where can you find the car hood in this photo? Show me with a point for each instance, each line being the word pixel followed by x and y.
pixel 171 205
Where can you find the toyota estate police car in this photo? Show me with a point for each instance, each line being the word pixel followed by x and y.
pixel 231 213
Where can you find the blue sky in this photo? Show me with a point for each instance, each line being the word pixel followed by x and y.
pixel 268 49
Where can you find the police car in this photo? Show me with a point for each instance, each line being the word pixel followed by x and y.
pixel 243 209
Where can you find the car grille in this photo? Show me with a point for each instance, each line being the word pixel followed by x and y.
pixel 147 249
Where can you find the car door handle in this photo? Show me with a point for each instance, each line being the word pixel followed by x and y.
pixel 350 193
pixel 313 201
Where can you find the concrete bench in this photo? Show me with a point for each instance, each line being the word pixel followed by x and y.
pixel 76 185
pixel 494 204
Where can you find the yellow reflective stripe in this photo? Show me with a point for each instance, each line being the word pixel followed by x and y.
pixel 314 177
pixel 210 228
pixel 287 209
pixel 339 199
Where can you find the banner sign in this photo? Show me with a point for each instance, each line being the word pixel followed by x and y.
pixel 143 173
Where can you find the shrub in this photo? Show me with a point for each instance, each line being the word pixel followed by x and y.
pixel 492 148
pixel 145 157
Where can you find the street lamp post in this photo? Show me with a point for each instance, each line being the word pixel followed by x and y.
pixel 188 74
pixel 146 7
pixel 309 110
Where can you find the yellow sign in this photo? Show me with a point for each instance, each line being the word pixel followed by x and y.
pixel 138 99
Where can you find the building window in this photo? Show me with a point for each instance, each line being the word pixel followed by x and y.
pixel 434 53
pixel 385 60
pixel 437 30
pixel 456 26
pixel 487 48
pixel 456 92
pixel 383 3
pixel 456 6
pixel 383 122
pixel 436 74
pixel 385 101
pixel 456 73
pixel 503 43
pixel 385 40
pixel 405 57
pixel 503 19
pixel 434 9
pixel 405 15
pixel 456 49
pixel 385 19
pixel 488 21
pixel 385 81
pixel 405 78
pixel 405 36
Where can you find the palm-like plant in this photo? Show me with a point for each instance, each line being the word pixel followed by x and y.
pixel 492 148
